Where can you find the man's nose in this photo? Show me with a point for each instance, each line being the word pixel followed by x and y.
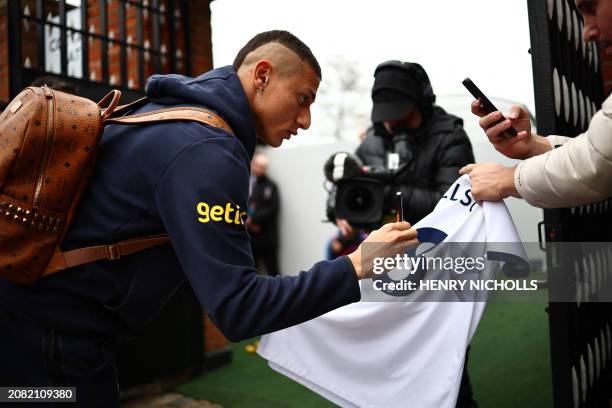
pixel 591 31
pixel 303 119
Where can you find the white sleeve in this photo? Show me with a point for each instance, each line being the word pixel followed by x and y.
pixel 556 141
pixel 576 173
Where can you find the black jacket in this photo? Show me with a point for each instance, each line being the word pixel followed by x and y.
pixel 263 212
pixel 433 156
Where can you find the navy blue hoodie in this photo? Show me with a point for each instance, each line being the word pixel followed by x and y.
pixel 190 180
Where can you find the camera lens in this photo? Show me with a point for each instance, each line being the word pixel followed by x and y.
pixel 359 199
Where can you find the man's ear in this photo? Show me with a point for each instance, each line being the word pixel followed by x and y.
pixel 262 73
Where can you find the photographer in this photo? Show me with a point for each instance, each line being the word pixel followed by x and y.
pixel 421 144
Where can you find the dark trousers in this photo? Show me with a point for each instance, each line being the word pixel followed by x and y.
pixel 268 256
pixel 32 356
pixel 465 399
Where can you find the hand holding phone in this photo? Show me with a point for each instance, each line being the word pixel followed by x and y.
pixel 486 104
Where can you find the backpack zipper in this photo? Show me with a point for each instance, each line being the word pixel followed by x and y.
pixel 47 147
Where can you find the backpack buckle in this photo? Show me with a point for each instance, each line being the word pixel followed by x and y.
pixel 113 252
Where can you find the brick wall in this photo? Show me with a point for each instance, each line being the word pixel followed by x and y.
pixel 201 38
pixel 200 35
pixel 94 56
pixel 214 339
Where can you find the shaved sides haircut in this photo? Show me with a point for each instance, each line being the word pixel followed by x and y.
pixel 283 38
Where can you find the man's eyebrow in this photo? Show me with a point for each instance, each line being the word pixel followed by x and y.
pixel 312 95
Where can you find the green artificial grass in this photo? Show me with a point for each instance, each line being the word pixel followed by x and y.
pixel 509 362
pixel 509 367
pixel 249 382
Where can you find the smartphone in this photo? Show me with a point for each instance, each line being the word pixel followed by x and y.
pixel 486 104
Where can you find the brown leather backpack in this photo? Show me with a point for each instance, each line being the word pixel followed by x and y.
pixel 48 145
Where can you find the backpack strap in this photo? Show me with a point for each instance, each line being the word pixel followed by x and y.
pixel 121 109
pixel 64 260
pixel 173 114
pixel 112 98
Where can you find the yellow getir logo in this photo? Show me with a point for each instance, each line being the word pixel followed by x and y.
pixel 218 213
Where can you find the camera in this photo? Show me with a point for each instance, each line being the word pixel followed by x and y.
pixel 361 191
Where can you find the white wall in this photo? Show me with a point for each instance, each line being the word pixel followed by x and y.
pixel 299 173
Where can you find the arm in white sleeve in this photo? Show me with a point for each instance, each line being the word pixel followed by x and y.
pixel 556 141
pixel 578 172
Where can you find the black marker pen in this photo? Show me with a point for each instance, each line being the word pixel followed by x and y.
pixel 399 207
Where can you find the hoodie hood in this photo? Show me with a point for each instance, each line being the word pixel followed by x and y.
pixel 219 90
